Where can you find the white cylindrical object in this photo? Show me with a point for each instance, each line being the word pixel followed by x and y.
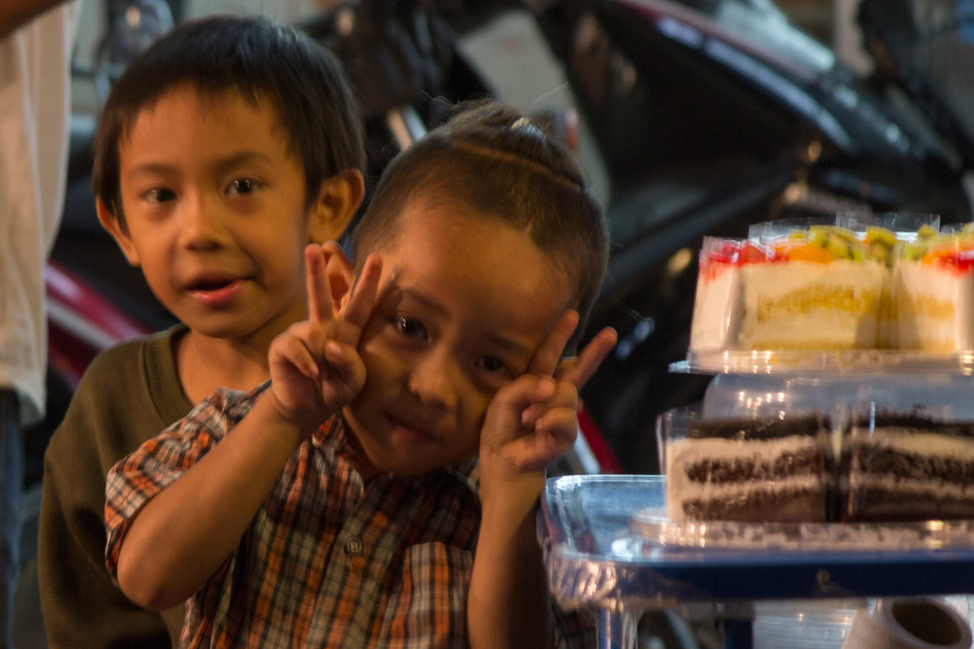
pixel 909 623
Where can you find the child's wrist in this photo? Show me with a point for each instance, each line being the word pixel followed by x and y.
pixel 511 492
pixel 303 425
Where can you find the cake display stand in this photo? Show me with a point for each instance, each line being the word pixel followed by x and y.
pixel 831 446
pixel 609 546
pixel 604 553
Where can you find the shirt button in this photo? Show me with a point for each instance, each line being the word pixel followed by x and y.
pixel 353 546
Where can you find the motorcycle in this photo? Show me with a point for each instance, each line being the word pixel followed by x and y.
pixel 712 115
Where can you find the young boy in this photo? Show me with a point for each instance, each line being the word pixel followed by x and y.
pixel 221 153
pixel 339 506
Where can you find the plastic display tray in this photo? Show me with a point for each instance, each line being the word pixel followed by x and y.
pixel 604 552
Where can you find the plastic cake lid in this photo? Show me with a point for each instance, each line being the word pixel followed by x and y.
pixel 849 361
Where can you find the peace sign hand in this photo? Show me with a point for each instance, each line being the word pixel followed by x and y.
pixel 314 365
pixel 533 420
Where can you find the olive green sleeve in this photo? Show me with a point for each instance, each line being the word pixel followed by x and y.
pixel 112 413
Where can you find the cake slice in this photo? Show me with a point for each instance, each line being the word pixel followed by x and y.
pixel 934 280
pixel 908 467
pixel 717 303
pixel 770 471
pixel 820 289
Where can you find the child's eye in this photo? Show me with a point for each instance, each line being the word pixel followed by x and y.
pixel 243 186
pixel 493 365
pixel 159 195
pixel 411 328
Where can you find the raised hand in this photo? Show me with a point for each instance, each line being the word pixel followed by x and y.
pixel 533 420
pixel 576 370
pixel 314 365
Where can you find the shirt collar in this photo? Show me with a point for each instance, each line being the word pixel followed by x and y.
pixel 467 472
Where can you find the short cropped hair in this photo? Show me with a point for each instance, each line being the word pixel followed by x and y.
pixel 491 160
pixel 260 59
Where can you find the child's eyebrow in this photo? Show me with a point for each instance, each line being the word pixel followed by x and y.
pixel 421 298
pixel 220 166
pixel 509 344
pixel 151 169
pixel 250 156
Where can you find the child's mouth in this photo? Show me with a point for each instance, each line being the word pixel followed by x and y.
pixel 216 292
pixel 408 434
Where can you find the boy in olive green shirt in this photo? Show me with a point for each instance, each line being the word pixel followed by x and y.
pixel 222 152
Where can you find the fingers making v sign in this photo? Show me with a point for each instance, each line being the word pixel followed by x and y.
pixel 533 420
pixel 314 365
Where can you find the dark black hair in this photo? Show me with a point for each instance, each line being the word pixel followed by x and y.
pixel 258 58
pixel 501 165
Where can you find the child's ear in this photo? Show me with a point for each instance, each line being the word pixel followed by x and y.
pixel 339 198
pixel 341 274
pixel 109 221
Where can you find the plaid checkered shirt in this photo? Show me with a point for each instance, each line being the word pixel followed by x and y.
pixel 328 561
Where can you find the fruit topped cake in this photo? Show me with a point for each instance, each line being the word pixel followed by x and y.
pixel 935 292
pixel 717 303
pixel 821 288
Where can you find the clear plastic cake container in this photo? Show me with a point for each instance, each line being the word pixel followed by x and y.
pixel 905 224
pixel 907 462
pixel 944 395
pixel 773 469
pixel 831 362
pixel 847 448
pixel 840 294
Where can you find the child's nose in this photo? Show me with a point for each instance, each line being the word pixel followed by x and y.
pixel 202 224
pixel 435 379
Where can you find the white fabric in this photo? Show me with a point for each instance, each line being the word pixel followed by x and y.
pixel 35 109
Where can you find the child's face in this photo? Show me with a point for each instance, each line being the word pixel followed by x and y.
pixel 464 303
pixel 215 214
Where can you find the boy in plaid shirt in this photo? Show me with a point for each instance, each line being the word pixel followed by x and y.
pixel 382 488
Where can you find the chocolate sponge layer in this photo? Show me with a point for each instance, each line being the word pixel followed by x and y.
pixel 729 470
pixel 762 505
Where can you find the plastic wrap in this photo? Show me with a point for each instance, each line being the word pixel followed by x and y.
pixel 836 295
pixel 747 469
pixel 820 448
pixel 907 462
pixel 850 361
pixel 597 557
pixel 905 224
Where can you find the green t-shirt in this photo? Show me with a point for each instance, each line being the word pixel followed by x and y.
pixel 128 395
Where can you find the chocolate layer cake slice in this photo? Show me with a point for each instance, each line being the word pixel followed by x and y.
pixel 772 471
pixel 908 467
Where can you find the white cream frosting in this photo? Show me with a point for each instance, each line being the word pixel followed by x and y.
pixel 923 445
pixel 935 307
pixel 716 308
